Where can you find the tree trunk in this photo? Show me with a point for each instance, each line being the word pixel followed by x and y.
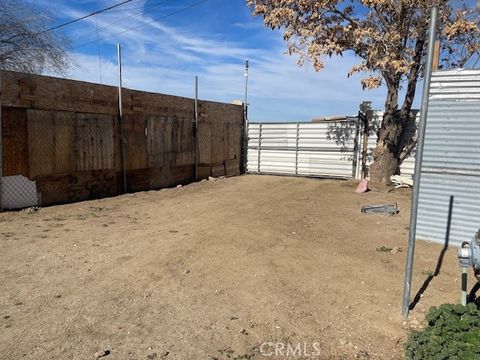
pixel 389 136
pixel 388 155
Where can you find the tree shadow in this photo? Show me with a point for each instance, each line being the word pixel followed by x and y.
pixel 438 267
pixel 343 133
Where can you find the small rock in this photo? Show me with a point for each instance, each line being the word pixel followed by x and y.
pixel 31 210
pixel 179 186
pixel 102 353
pixel 211 178
pixel 185 272
pixel 152 356
pixel 244 332
pixel 165 354
pixel 363 355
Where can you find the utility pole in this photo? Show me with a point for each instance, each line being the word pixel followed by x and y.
pixel 245 118
pixel 196 128
pixel 120 118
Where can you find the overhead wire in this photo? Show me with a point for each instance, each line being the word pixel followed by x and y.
pixel 144 24
pixel 56 27
pixel 104 27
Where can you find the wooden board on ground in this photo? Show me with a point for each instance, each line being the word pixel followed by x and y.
pixel 203 172
pixel 232 167
pixel 58 189
pixel 218 170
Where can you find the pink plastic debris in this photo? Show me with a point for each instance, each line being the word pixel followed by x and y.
pixel 362 186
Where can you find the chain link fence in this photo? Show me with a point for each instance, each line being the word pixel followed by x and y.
pixel 63 141
pixel 52 157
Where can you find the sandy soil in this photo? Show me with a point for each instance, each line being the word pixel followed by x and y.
pixel 212 271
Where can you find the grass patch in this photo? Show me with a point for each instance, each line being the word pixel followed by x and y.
pixel 384 248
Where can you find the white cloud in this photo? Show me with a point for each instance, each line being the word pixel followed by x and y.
pixel 163 58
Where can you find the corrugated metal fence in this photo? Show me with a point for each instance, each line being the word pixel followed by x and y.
pixel 321 149
pixel 449 201
pixel 327 149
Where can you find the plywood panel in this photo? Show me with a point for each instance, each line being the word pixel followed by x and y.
pixel 218 170
pixel 94 142
pixel 49 93
pixel 135 141
pixel 156 178
pixel 232 167
pixel 155 141
pixel 15 142
pixel 204 142
pixel 64 151
pixel 58 189
pixel 41 150
pixel 218 142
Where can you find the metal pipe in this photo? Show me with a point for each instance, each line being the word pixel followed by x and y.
pixel 296 148
pixel 259 147
pixel 463 298
pixel 245 118
pixel 418 163
pixel 1 143
pixel 120 118
pixel 196 128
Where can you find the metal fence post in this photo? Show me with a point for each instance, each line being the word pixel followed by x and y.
pixel 120 118
pixel 245 119
pixel 1 145
pixel 296 148
pixel 418 163
pixel 195 128
pixel 356 149
pixel 259 146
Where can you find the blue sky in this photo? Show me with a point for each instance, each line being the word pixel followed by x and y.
pixel 164 52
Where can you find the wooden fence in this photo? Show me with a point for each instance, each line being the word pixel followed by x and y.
pixel 61 140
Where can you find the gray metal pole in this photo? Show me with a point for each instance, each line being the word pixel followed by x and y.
pixel 1 143
pixel 245 117
pixel 463 297
pixel 196 128
pixel 418 163
pixel 120 118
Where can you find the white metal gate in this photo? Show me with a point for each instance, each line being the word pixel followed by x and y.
pixel 317 149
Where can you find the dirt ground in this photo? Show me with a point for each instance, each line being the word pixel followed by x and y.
pixel 214 270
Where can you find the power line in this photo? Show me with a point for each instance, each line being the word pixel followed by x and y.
pixel 74 20
pixel 144 24
pixel 84 17
pixel 101 28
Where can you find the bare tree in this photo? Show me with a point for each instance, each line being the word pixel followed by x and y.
pixel 25 43
pixel 389 37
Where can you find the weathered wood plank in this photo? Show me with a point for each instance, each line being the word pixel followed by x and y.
pixel 135 141
pixel 41 142
pixel 95 142
pixel 218 170
pixel 15 142
pixel 232 167
pixel 157 178
pixel 65 188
